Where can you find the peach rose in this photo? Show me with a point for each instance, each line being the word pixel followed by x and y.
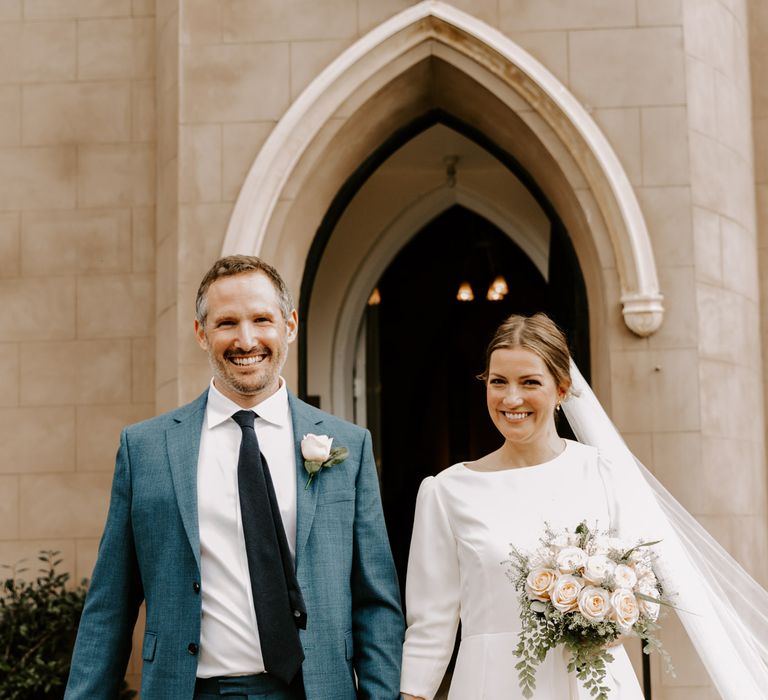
pixel 625 609
pixel 594 603
pixel 565 593
pixel 539 583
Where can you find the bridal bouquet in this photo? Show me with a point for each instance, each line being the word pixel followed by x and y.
pixel 585 590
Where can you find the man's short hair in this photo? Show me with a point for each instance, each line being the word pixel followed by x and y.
pixel 238 265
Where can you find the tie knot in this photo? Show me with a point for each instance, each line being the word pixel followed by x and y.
pixel 244 418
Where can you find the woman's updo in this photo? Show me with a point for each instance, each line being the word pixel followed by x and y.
pixel 539 334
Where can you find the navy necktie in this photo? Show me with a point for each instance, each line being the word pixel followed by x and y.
pixel 277 597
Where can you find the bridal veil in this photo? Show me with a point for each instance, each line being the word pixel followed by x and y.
pixel 723 609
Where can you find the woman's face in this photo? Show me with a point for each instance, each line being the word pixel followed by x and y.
pixel 521 394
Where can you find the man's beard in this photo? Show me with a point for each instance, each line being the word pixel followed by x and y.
pixel 256 382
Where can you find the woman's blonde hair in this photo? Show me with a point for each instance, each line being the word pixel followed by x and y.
pixel 540 335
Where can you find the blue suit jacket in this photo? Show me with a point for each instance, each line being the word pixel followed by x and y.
pixel 150 551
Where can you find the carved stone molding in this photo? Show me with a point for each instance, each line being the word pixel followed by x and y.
pixel 498 59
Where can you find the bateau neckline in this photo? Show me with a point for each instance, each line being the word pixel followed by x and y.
pixel 517 470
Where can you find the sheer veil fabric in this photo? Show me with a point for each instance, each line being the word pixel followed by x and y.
pixel 723 609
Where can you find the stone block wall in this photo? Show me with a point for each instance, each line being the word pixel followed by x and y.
pixel 77 262
pixel 758 45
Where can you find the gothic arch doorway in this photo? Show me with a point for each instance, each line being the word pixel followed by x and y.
pixel 406 367
pixel 425 348
pixel 434 55
pixel 392 195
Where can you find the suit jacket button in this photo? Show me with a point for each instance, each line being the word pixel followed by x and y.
pixel 192 648
pixel 196 587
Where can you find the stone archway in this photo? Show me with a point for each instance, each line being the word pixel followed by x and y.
pixel 391 240
pixel 379 83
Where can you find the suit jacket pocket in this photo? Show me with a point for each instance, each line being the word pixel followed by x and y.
pixel 148 648
pixel 327 497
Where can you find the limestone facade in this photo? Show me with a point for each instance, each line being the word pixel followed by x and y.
pixel 136 135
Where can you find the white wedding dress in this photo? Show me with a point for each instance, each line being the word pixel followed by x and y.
pixel 465 522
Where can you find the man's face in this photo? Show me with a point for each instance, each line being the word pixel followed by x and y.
pixel 245 336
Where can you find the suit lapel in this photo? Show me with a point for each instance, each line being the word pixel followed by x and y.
pixel 305 420
pixel 183 443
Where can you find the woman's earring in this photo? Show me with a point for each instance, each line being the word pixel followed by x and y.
pixel 557 408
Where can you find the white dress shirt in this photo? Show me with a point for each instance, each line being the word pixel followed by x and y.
pixel 229 638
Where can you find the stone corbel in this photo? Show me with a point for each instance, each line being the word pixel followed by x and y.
pixel 643 313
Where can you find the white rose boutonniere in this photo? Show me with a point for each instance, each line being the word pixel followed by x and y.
pixel 318 453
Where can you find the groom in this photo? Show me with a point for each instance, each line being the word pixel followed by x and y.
pixel 257 579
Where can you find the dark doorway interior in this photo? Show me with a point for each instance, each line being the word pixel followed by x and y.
pixel 430 349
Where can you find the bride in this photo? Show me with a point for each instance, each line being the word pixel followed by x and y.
pixel 468 516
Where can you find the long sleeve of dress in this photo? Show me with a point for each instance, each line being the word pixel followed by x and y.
pixel 432 595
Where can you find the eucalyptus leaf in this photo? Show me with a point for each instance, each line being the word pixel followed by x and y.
pixel 338 455
pixel 628 553
pixel 661 601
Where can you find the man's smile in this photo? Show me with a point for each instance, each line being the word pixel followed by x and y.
pixel 247 360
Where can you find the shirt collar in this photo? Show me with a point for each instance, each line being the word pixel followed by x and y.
pixel 274 409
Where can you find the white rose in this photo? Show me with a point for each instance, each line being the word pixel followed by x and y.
pixel 566 539
pixel 565 593
pixel 624 576
pixel 644 570
pixel 571 559
pixel 597 568
pixel 603 544
pixel 647 607
pixel 636 557
pixel 539 583
pixel 625 609
pixel 594 603
pixel 316 448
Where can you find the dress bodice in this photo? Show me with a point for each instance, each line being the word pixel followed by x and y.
pixel 489 511
pixel 465 522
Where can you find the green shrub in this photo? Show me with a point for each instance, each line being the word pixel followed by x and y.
pixel 38 625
